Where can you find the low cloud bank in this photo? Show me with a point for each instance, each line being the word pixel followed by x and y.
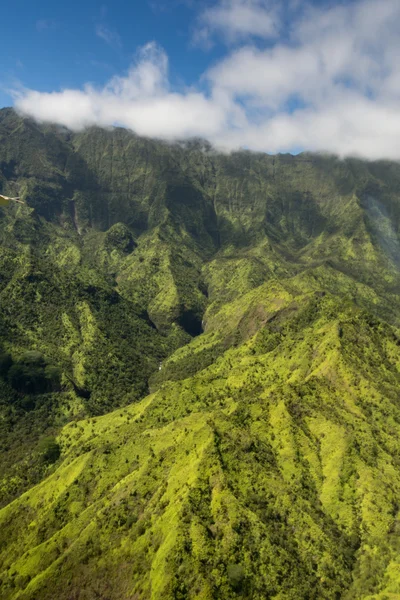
pixel 330 82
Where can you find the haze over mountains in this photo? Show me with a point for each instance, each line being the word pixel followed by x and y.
pixel 199 371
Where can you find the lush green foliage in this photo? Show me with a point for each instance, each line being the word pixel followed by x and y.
pixel 199 371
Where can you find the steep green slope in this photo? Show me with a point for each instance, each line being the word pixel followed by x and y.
pixel 273 473
pixel 256 299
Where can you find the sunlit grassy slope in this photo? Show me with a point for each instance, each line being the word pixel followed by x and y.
pixel 199 371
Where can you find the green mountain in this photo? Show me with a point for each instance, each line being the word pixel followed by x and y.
pixel 199 371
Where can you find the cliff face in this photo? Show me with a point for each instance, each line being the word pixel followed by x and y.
pixel 240 315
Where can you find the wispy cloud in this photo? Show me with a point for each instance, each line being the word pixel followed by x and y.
pixel 45 24
pixel 99 64
pixel 163 6
pixel 236 20
pixel 110 36
pixel 332 83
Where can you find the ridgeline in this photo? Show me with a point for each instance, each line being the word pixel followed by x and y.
pixel 199 371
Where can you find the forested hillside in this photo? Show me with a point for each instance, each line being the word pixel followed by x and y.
pixel 199 371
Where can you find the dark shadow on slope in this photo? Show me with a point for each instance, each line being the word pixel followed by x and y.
pixel 381 222
pixel 190 322
pixel 191 210
pixel 144 315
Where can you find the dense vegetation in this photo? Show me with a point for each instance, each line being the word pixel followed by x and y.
pixel 199 371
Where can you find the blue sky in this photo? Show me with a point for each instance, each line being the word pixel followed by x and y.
pixel 51 45
pixel 269 75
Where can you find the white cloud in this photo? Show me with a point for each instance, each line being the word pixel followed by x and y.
pixel 141 100
pixel 331 84
pixel 238 19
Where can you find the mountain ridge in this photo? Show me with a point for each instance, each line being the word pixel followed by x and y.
pixel 199 371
